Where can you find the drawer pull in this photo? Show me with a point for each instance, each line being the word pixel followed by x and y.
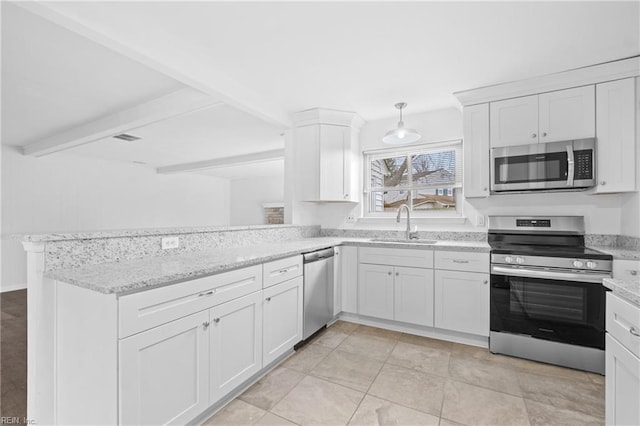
pixel 216 320
pixel 633 331
pixel 268 299
pixel 205 324
pixel 209 293
pixel 283 271
pixel 460 261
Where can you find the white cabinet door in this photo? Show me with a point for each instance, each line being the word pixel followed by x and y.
pixel 462 301
pixel 567 114
pixel 337 280
pixel 349 278
pixel 282 318
pixel 622 390
pixel 164 372
pixel 235 344
pixel 333 143
pixel 476 150
pixel 616 150
pixel 375 291
pixel 514 121
pixel 413 295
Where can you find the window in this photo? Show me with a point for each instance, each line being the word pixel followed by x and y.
pixel 425 177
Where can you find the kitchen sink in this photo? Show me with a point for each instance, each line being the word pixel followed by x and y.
pixel 403 240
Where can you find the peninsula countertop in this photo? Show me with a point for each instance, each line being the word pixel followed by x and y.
pixel 135 275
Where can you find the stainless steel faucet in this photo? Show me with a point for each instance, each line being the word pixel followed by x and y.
pixel 408 232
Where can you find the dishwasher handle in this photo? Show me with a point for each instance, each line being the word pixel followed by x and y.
pixel 314 256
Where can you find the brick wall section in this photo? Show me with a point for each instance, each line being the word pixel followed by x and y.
pixel 273 215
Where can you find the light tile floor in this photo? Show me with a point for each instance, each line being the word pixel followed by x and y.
pixel 359 375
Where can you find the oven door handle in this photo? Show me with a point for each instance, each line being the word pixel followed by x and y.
pixel 538 273
pixel 570 165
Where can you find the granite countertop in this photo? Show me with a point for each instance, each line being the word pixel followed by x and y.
pixel 619 253
pixel 136 275
pixel 626 289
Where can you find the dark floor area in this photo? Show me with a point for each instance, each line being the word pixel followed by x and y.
pixel 13 355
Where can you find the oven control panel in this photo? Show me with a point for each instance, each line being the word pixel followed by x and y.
pixel 552 262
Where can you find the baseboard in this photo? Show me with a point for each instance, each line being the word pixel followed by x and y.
pixel 435 333
pixel 12 287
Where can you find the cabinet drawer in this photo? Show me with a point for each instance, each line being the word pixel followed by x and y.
pixel 415 258
pixel 462 261
pixel 147 309
pixel 623 322
pixel 626 269
pixel 281 270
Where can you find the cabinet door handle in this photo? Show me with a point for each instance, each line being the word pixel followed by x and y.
pixel 397 274
pixel 484 189
pixel 533 135
pixel 209 293
pixel 633 331
pixel 268 299
pixel 603 182
pixel 389 273
pixel 544 134
pixel 485 282
pixel 216 320
pixel 634 272
pixel 346 195
pixel 205 324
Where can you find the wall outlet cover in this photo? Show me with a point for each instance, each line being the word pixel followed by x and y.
pixel 480 220
pixel 170 243
pixel 351 219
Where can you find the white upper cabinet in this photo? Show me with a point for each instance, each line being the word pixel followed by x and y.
pixel 325 144
pixel 514 121
pixel 548 117
pixel 567 114
pixel 616 149
pixel 476 150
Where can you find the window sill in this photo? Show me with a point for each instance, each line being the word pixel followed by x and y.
pixel 431 220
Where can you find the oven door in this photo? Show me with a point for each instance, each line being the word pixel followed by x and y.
pixel 551 308
pixel 543 166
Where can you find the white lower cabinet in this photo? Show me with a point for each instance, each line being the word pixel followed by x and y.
pixel 235 348
pixel 164 372
pixel 397 286
pixel 462 301
pixel 413 295
pixel 622 354
pixel 282 318
pixel 375 290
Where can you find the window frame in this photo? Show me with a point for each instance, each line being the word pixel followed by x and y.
pixel 408 150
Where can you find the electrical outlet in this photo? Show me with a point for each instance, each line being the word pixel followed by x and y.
pixel 480 220
pixel 351 219
pixel 170 243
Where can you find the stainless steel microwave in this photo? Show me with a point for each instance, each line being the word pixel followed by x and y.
pixel 544 166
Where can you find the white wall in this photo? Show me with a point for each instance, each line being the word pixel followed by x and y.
pixel 248 195
pixel 63 192
pixel 604 214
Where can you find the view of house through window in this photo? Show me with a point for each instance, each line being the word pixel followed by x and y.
pixel 425 177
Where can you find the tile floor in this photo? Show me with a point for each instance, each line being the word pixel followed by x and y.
pixel 361 375
pixel 13 354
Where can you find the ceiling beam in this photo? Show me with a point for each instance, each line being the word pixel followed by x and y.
pixel 256 157
pixel 176 103
pixel 188 67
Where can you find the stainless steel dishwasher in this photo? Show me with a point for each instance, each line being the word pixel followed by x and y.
pixel 318 290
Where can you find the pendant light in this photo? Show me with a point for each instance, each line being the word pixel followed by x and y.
pixel 400 135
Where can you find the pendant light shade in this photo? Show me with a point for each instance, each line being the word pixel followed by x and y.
pixel 401 135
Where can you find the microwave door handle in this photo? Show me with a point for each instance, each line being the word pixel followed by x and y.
pixel 570 165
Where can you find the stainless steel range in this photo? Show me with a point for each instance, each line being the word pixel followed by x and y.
pixel 547 298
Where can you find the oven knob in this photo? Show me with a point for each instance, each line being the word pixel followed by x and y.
pixel 591 264
pixel 508 259
pixel 519 260
pixel 577 264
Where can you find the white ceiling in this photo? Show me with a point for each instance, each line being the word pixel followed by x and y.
pixel 266 60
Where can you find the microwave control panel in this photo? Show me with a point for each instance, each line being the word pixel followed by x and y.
pixel 583 164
